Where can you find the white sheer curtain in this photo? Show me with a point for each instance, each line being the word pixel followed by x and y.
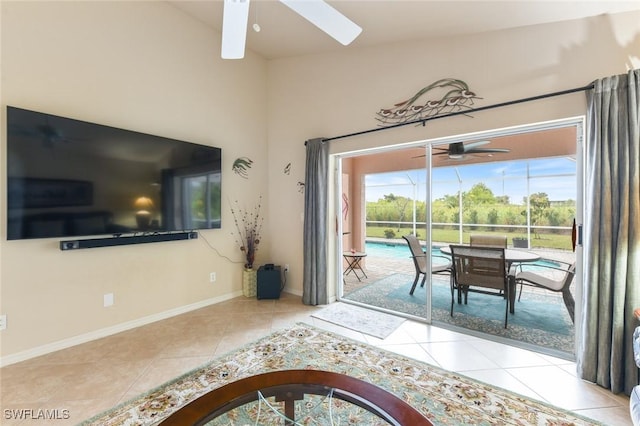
pixel 612 233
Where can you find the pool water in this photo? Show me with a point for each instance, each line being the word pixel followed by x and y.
pixel 393 250
pixel 401 251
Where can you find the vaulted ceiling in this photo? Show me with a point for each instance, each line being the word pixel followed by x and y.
pixel 283 33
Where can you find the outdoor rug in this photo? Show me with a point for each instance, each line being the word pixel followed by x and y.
pixel 539 320
pixel 444 397
pixel 373 323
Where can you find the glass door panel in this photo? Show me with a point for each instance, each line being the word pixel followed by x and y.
pixel 526 190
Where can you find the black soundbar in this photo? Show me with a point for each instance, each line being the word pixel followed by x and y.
pixel 125 240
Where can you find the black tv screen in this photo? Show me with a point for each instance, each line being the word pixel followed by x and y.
pixel 70 178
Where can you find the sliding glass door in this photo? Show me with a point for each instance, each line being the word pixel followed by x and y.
pixel 523 184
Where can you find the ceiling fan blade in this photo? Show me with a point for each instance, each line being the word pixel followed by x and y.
pixel 486 150
pixel 234 28
pixel 325 17
pixel 472 145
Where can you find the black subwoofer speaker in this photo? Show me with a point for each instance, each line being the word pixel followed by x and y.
pixel 269 282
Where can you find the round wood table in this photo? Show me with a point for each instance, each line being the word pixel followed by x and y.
pixel 292 385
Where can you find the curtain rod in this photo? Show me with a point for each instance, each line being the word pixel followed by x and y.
pixel 468 111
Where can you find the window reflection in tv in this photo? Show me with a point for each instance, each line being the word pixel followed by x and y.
pixel 69 178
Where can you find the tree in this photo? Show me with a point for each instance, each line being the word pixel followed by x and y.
pixel 502 199
pixel 538 205
pixel 478 194
pixel 400 203
pixel 492 217
pixel 473 217
pixel 450 200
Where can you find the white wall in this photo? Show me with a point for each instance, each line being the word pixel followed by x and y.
pixel 339 93
pixel 144 66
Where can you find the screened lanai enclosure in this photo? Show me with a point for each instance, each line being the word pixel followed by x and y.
pixel 527 195
pixel 531 201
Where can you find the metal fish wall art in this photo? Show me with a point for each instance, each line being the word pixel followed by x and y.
pixel 456 97
pixel 241 166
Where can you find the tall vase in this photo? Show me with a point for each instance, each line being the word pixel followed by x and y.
pixel 249 282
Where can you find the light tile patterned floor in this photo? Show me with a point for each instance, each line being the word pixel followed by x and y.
pixel 95 376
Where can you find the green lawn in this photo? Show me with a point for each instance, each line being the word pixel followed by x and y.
pixel 544 240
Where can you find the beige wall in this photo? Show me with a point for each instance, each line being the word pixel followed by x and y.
pixel 339 93
pixel 148 67
pixel 143 66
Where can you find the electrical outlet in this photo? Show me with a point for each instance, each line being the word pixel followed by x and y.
pixel 3 322
pixel 108 300
pixel 286 267
pixel 212 277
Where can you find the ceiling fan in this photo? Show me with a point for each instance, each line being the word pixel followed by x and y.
pixel 318 12
pixel 459 150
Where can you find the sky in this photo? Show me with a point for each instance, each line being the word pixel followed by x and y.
pixel 554 176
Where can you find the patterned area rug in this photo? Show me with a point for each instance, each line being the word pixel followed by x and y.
pixel 539 320
pixel 445 398
pixel 373 323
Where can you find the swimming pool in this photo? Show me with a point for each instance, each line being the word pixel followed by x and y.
pixel 393 250
pixel 398 250
pixel 401 251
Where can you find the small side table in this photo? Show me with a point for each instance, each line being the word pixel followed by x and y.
pixel 353 263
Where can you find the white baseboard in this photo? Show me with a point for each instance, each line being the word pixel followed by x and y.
pixel 294 291
pixel 104 332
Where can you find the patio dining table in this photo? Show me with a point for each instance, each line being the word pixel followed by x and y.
pixel 511 256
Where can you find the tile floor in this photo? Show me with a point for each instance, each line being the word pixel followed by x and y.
pixel 86 379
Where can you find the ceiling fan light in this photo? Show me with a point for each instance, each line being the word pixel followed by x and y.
pixel 234 28
pixel 325 17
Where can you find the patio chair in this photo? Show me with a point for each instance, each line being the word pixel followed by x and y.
pixel 480 269
pixel 420 262
pixel 488 240
pixel 549 277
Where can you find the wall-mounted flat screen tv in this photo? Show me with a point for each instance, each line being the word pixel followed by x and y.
pixel 70 178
